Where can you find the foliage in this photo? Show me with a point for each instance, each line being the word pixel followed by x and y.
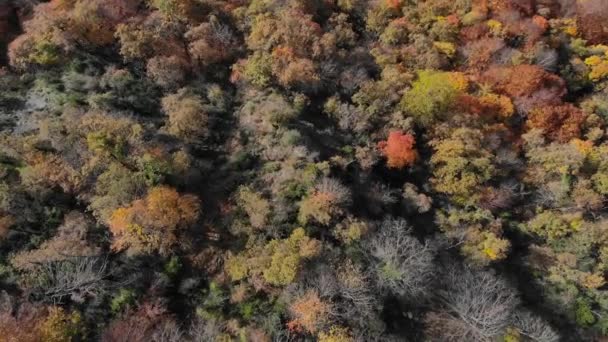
pixel 462 164
pixel 153 223
pixel 399 150
pixel 324 202
pixel 309 312
pixel 369 170
pixel 186 115
pixel 278 262
pixel 432 94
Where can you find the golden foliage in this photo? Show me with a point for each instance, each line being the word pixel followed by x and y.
pixel 152 223
pixel 310 312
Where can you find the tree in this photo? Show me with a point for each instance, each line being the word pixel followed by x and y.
pixel 264 112
pixel 292 71
pixel 561 123
pixel 477 307
pixel 116 187
pixel 478 233
pixel 432 94
pixel 188 119
pixel 60 326
pixel 33 323
pixel 490 107
pixel 351 230
pixel 76 278
pixel 154 222
pixel 135 41
pixel 286 257
pixel 310 313
pixel 551 225
pixel 256 207
pixel 535 327
pixel 528 85
pixel 357 290
pixel 335 334
pixel 139 325
pixel 599 67
pixel 175 9
pixel 43 43
pixel 69 242
pixel 399 150
pixel 167 72
pixel 483 247
pixel 402 264
pixel 591 20
pixel 278 262
pixel 324 202
pixel 211 42
pixel 461 164
pixel 23 325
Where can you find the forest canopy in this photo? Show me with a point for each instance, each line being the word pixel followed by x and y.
pixel 303 170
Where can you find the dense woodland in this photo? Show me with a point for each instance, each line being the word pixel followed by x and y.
pixel 303 170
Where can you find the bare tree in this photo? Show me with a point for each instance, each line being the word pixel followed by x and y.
pixel 401 263
pixel 356 290
pixel 168 331
pixel 76 278
pixel 477 307
pixel 204 330
pixel 534 328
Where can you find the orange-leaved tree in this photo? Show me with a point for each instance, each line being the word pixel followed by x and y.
pixel 153 223
pixel 399 150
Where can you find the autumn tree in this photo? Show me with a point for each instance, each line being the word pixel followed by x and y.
pixel 351 230
pixel 591 19
pixel 477 232
pixel 432 94
pixel 153 222
pixel 32 323
pixel 461 163
pixel 528 85
pixel 278 262
pixel 43 43
pixel 116 187
pixel 211 42
pixel 324 202
pixel 69 242
pixel 336 334
pixel 561 123
pixel 310 313
pixel 187 118
pixel 167 72
pixel 60 326
pixel 138 325
pixel 551 225
pixel 135 41
pixel 398 150
pixel 256 207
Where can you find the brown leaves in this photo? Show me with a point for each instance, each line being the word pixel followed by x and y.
pixel 561 123
pixel 70 241
pixel 139 325
pixel 528 85
pixel 592 20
